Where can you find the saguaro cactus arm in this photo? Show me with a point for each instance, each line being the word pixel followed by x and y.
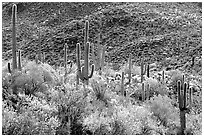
pixel 9 67
pixel 92 70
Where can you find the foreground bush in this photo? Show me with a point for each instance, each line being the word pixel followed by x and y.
pixel 35 118
pixel 32 79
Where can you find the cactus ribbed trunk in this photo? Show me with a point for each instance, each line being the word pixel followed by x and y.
pixel 143 92
pixel 122 84
pixel 9 67
pixel 40 48
pixel 19 60
pixel 65 61
pixel 163 77
pixel 78 55
pixel 143 69
pixel 148 91
pixel 190 98
pixel 86 52
pixel 83 72
pixel 43 57
pixel 130 68
pixel 182 105
pixel 99 48
pixel 14 48
pixel 86 65
pixel 148 70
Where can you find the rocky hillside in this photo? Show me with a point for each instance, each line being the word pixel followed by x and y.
pixel 169 34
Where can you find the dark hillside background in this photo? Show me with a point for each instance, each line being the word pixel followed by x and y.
pixel 168 33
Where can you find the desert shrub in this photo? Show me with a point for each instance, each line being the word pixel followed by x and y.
pixel 44 72
pixel 71 104
pixel 121 120
pixel 100 90
pixel 166 113
pixel 108 72
pixel 194 124
pixel 155 87
pixel 32 79
pixel 175 75
pixel 136 120
pixel 98 123
pixel 35 118
pixel 136 70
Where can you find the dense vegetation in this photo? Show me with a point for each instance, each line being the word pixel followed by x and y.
pixel 146 77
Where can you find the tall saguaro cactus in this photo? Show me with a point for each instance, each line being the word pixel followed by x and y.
pixel 122 84
pixel 65 60
pixel 182 102
pixel 182 99
pixel 130 68
pixel 143 91
pixel 148 70
pixel 14 48
pixel 143 69
pixel 19 60
pixel 83 72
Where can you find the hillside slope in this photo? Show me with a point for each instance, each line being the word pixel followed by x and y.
pixel 168 33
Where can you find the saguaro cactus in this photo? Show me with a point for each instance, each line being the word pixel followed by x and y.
pixel 143 69
pixel 19 60
pixel 148 91
pixel 148 70
pixel 182 99
pixel 9 67
pixel 130 68
pixel 163 77
pixel 36 59
pixel 182 102
pixel 43 57
pixel 122 84
pixel 190 98
pixel 14 48
pixel 65 60
pixel 143 91
pixel 40 47
pixel 83 72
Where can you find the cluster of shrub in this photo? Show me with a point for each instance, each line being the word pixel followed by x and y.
pixel 46 105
